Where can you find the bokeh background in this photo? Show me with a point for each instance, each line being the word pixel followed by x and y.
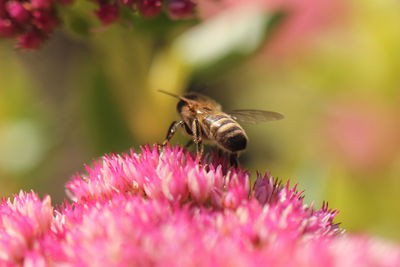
pixel 332 68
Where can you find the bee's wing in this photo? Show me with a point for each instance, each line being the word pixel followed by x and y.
pixel 254 116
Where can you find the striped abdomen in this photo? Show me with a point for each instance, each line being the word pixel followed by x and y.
pixel 225 131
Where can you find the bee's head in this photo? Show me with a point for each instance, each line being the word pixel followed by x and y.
pixel 186 102
pixel 191 103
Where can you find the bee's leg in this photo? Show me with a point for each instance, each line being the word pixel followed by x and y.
pixel 171 131
pixel 200 149
pixel 234 159
pixel 197 138
pixel 189 143
pixel 220 153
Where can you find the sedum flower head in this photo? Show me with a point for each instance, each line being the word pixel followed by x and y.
pixel 170 209
pixel 22 221
pixel 31 22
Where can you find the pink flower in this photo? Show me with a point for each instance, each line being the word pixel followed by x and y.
pixel 23 222
pixel 30 22
pixel 108 13
pixel 45 21
pixel 361 135
pixel 303 19
pixel 3 11
pixel 17 12
pixel 178 9
pixel 42 4
pixel 7 28
pixel 30 40
pixel 149 8
pixel 169 209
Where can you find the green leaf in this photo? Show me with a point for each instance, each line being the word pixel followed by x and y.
pixel 226 39
pixel 76 19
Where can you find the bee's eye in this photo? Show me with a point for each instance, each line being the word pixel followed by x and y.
pixel 192 97
pixel 180 106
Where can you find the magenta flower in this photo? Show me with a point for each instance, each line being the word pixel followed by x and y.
pixel 149 8
pixel 30 22
pixel 17 12
pixel 23 222
pixel 178 9
pixel 108 11
pixel 169 209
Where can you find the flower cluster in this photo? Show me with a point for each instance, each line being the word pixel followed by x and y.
pixel 29 21
pixel 108 11
pixel 170 209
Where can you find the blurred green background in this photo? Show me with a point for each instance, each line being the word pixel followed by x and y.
pixel 332 69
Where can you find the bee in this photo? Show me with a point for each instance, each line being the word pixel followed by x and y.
pixel 203 119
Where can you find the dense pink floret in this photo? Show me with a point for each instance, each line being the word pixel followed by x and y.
pixel 168 209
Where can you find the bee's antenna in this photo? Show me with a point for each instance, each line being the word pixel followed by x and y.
pixel 168 93
pixel 173 95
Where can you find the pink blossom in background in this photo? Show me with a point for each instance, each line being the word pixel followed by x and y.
pixel 176 9
pixel 107 13
pixel 32 21
pixel 304 19
pixel 168 209
pixel 361 134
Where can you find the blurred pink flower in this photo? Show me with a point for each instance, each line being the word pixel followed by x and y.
pixel 362 135
pixel 17 12
pixel 149 8
pixel 303 19
pixel 7 29
pixel 168 209
pixel 178 9
pixel 107 13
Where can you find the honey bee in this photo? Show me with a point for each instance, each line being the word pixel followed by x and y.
pixel 203 120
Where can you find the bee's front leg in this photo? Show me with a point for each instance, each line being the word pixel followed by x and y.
pixel 189 143
pixel 234 159
pixel 171 131
pixel 196 130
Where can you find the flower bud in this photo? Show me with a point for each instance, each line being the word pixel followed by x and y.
pixel 129 3
pixel 179 9
pixel 45 21
pixel 149 8
pixel 7 29
pixel 30 40
pixel 3 11
pixel 42 4
pixel 107 13
pixel 17 12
